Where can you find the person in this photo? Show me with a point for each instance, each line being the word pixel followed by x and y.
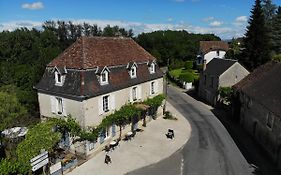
pixel 107 159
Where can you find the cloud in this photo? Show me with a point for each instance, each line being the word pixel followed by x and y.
pixel 210 18
pixel 216 23
pixel 138 27
pixel 33 6
pixel 241 19
pixel 170 19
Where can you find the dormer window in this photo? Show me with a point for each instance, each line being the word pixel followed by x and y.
pixel 104 76
pixel 60 75
pixel 133 72
pixel 58 78
pixel 152 68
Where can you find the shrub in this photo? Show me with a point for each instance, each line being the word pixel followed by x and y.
pixel 188 65
pixel 187 77
pixel 169 116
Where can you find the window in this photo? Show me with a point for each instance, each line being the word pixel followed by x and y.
pixel 269 120
pixel 58 78
pixel 152 88
pixel 60 106
pixel 91 146
pixel 133 72
pixel 134 93
pixel 152 68
pixel 104 78
pixel 105 101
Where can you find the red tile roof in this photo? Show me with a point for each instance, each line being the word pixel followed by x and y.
pixel 207 46
pixel 90 52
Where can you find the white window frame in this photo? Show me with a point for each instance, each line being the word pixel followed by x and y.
pixel 59 106
pixel 103 75
pixel 152 68
pixel 105 103
pixel 133 72
pixel 134 93
pixel 58 79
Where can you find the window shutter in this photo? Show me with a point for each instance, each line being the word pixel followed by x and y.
pixel 53 104
pixel 139 91
pixel 64 107
pixel 131 94
pixel 112 100
pixel 100 106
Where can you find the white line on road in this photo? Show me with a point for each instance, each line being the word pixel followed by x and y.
pixel 182 165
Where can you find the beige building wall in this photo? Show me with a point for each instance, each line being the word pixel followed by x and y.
pixel 88 112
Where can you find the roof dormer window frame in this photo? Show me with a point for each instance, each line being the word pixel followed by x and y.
pixel 133 70
pixel 152 68
pixel 59 76
pixel 104 76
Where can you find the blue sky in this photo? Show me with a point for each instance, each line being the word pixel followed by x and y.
pixel 226 18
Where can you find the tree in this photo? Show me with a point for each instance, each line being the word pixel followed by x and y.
pixel 277 32
pixel 10 110
pixel 257 45
pixel 269 10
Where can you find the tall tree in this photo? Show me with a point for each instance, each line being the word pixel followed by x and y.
pixel 257 44
pixel 277 32
pixel 269 10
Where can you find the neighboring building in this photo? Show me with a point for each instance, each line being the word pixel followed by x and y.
pixel 96 76
pixel 211 49
pixel 219 73
pixel 259 97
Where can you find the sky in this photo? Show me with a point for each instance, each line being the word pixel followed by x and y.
pixel 225 18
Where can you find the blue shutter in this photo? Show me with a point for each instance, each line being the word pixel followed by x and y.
pixel 113 130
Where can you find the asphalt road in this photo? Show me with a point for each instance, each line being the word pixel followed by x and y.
pixel 210 150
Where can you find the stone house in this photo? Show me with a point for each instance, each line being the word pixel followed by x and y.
pixel 211 49
pixel 219 73
pixel 96 76
pixel 260 107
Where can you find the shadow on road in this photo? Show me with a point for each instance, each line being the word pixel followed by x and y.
pixel 251 150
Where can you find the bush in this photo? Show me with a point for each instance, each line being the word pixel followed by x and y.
pixel 169 116
pixel 188 65
pixel 187 77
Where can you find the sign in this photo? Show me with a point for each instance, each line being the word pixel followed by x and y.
pixel 39 165
pixel 54 168
pixel 39 161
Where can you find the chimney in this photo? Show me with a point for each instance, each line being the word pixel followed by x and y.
pixel 204 65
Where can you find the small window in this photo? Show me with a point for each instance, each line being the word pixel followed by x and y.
pixel 152 88
pixel 105 101
pixel 58 78
pixel 104 78
pixel 134 93
pixel 152 68
pixel 60 105
pixel 269 120
pixel 133 72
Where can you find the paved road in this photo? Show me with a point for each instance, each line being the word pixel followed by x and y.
pixel 210 150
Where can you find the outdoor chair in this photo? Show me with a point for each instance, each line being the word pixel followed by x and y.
pixel 170 134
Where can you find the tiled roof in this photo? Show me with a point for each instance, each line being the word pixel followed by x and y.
pixel 207 46
pixel 83 62
pixel 264 85
pixel 90 52
pixel 217 66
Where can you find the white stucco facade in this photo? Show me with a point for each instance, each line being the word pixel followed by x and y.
pixel 89 112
